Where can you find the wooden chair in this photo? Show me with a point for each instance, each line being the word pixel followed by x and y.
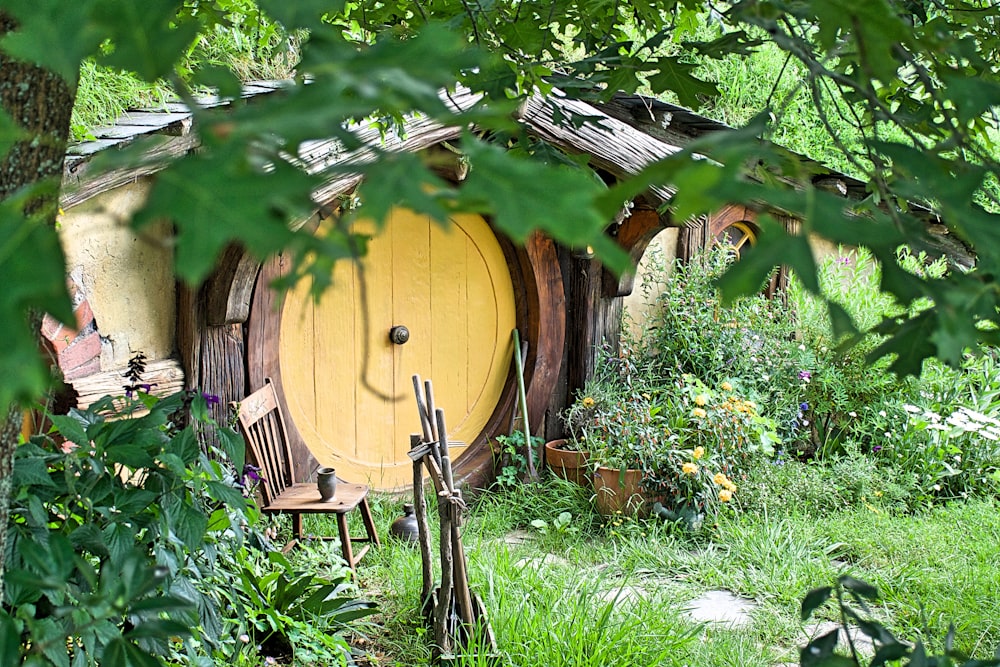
pixel 263 426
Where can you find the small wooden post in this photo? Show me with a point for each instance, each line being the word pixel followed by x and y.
pixel 423 530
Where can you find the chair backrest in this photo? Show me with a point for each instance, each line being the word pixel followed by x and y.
pixel 263 426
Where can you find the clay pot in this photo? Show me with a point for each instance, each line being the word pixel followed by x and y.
pixel 615 493
pixel 405 527
pixel 326 482
pixel 568 464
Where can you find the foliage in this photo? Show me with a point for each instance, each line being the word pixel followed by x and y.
pixel 115 518
pixel 888 69
pixel 852 598
pixel 287 612
pixel 511 461
pixel 129 543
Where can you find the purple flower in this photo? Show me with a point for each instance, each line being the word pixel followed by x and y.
pixel 803 406
pixel 211 400
pixel 805 375
pixel 251 475
pixel 876 448
pixel 844 260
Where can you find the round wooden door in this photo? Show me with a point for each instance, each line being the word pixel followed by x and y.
pixel 353 403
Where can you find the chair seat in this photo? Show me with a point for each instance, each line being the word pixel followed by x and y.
pixel 304 497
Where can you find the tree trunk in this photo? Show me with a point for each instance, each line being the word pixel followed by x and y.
pixel 41 103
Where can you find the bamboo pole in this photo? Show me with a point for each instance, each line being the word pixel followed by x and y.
pixel 523 398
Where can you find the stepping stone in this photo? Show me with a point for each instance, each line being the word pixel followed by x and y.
pixel 518 537
pixel 548 560
pixel 722 608
pixel 862 642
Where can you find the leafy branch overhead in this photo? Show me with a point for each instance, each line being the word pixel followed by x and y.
pixel 915 83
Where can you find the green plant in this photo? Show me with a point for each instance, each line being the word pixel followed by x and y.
pixel 852 597
pixel 115 517
pixel 286 611
pixel 510 459
pixel 561 524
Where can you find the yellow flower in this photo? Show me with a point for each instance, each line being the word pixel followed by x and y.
pixel 588 402
pixel 700 399
pixel 699 452
pixel 689 468
pixel 726 386
pixel 699 413
pixel 725 495
pixel 720 478
pixel 730 486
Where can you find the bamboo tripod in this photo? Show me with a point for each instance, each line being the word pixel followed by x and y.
pixel 457 614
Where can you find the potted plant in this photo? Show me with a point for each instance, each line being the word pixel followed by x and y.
pixel 677 448
pixel 569 458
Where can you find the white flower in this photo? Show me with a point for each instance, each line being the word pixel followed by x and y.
pixel 853 413
pixel 911 408
pixel 881 413
pixel 887 434
pixel 767 377
pixel 802 348
pixel 936 487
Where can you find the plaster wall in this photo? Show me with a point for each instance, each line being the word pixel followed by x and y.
pixel 650 278
pixel 127 277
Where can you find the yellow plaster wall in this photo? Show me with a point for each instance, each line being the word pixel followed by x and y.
pixel 653 268
pixel 126 277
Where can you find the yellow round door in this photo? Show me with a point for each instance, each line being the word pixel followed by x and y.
pixel 348 383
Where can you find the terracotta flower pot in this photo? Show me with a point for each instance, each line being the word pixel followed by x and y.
pixel 568 464
pixel 614 493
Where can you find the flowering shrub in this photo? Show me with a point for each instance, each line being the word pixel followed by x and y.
pixel 949 457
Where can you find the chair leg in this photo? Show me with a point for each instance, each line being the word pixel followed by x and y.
pixel 297 526
pixel 366 516
pixel 345 541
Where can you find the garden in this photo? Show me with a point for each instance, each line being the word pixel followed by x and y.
pixel 772 466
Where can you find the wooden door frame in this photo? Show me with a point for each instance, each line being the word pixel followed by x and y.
pixel 540 316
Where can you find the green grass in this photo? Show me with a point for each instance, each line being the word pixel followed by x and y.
pixel 550 599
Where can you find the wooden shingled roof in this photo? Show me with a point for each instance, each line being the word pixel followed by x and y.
pixel 614 146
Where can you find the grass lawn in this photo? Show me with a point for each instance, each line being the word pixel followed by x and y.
pixel 616 592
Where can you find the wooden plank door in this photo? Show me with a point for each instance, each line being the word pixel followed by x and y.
pixel 348 387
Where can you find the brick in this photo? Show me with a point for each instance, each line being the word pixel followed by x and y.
pixel 84 315
pixel 50 327
pixel 80 351
pixel 90 368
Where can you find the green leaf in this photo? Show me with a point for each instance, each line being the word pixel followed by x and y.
pixel 862 588
pixel 71 428
pixel 30 472
pixel 233 445
pixel 53 34
pixel 302 13
pixel 524 195
pixel 889 653
pixel 33 268
pixel 815 599
pixel 819 651
pixel 10 634
pixel 206 197
pixel 841 321
pixel 678 77
pixel 187 523
pixel 146 35
pixel 120 541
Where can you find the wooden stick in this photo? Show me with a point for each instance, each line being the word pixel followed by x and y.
pixel 425 420
pixel 423 529
pixel 431 412
pixel 454 535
